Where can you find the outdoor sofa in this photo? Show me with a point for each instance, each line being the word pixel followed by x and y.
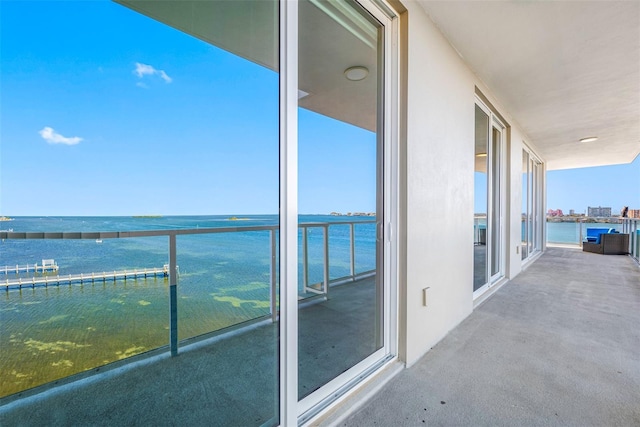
pixel 606 241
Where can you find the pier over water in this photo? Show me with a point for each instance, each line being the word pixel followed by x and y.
pixel 85 277
pixel 47 266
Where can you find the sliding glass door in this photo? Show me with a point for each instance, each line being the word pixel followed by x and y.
pixel 489 224
pixel 341 197
pixel 531 204
pixel 264 129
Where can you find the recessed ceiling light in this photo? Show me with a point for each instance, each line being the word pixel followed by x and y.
pixel 589 139
pixel 356 73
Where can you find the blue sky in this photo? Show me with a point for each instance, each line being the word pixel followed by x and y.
pixel 607 186
pixel 107 112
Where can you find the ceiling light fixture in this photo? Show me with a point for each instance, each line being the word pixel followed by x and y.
pixel 356 73
pixel 589 139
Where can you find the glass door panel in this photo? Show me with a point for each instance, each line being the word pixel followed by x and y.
pixel 488 199
pixel 481 198
pixel 339 197
pixel 221 107
pixel 531 200
pixel 531 205
pixel 496 202
pixel 535 227
pixel 525 219
pixel 174 106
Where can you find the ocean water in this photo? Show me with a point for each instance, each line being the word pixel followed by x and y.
pixel 569 232
pixel 52 332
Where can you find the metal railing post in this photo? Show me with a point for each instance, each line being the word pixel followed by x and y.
pixel 580 236
pixel 274 294
pixel 305 260
pixel 326 259
pixel 352 241
pixel 627 229
pixel 636 239
pixel 173 296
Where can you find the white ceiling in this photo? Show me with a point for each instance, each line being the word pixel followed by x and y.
pixel 333 36
pixel 563 69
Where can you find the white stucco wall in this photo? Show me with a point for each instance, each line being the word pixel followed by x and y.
pixel 440 187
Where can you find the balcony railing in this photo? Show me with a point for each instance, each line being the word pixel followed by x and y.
pixel 631 226
pixel 315 277
pixel 573 233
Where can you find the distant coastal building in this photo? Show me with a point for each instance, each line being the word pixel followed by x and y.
pixel 633 213
pixel 572 212
pixel 555 212
pixel 598 212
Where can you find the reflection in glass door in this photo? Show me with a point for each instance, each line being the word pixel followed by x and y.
pixel 495 191
pixel 526 206
pixel 488 198
pixel 531 204
pixel 339 167
pixel 480 198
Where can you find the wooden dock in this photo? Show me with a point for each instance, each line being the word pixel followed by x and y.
pixel 47 266
pixel 104 276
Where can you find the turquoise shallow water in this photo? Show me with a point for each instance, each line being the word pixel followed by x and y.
pixel 53 332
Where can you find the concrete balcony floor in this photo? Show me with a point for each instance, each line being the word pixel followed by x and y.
pixel 558 345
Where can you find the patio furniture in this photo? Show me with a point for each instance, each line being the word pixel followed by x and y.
pixel 593 234
pixel 608 244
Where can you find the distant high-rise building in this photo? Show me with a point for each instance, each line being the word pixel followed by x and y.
pixel 598 212
pixel 572 212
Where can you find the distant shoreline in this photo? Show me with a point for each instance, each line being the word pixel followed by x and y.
pixel 587 220
pixel 353 214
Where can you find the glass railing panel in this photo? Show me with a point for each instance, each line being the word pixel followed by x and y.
pixel 84 315
pixel 339 251
pixel 79 320
pixel 224 280
pixel 573 233
pixel 311 267
pixel 365 247
pixel 563 232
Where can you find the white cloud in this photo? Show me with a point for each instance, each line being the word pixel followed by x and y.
pixel 165 77
pixel 143 70
pixel 52 137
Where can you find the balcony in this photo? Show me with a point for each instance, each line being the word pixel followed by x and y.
pixel 221 366
pixel 558 345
